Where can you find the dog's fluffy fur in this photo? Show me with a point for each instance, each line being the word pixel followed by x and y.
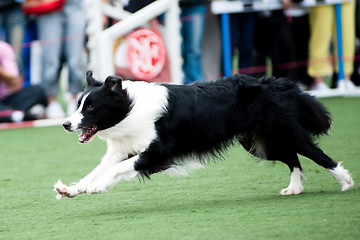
pixel 153 127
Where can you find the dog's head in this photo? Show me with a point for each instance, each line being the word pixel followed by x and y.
pixel 101 106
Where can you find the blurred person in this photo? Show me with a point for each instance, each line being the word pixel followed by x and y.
pixel 300 30
pixel 63 35
pixel 274 39
pixel 193 18
pixel 242 26
pixel 13 23
pixel 135 5
pixel 322 32
pixel 16 102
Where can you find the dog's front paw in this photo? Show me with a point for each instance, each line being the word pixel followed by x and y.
pixel 61 189
pixel 64 191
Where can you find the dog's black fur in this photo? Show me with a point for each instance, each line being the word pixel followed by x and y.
pixel 270 117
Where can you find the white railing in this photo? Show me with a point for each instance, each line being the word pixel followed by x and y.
pixel 101 41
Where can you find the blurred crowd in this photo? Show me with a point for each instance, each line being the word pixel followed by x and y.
pixel 296 43
pixel 61 33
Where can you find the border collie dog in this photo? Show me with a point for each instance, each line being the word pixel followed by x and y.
pixel 152 127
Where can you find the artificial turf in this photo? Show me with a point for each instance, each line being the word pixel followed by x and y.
pixel 237 198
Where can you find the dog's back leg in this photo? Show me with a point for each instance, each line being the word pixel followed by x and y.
pixel 342 175
pixel 261 149
pixel 297 175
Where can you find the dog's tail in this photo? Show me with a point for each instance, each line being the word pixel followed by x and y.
pixel 313 115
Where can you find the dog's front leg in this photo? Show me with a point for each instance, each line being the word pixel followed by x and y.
pixel 124 170
pixel 108 160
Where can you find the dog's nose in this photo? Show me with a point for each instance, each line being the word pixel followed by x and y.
pixel 67 125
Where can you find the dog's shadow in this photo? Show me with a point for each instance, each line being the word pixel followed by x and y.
pixel 196 204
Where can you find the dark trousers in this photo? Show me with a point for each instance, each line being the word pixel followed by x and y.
pixel 242 27
pixel 23 100
pixel 273 39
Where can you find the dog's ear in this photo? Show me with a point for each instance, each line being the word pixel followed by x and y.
pixel 90 80
pixel 114 84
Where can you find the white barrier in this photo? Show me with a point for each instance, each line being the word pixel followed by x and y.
pixel 101 41
pixel 224 7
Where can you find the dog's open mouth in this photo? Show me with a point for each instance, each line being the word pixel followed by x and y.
pixel 87 134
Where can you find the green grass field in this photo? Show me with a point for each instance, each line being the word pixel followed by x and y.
pixel 233 199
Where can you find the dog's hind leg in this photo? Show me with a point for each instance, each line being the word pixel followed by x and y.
pixel 261 149
pixel 296 177
pixel 341 174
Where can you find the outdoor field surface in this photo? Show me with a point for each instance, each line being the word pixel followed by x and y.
pixel 237 198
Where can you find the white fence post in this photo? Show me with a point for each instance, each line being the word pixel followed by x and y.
pixel 173 41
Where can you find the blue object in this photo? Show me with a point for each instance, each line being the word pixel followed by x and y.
pixel 225 31
pixel 339 42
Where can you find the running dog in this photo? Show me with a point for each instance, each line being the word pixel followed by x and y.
pixel 152 127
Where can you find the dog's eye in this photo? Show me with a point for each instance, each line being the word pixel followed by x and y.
pixel 89 107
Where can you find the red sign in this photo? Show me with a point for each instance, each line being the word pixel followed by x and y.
pixel 146 54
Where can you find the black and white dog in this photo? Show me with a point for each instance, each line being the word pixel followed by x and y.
pixel 151 127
